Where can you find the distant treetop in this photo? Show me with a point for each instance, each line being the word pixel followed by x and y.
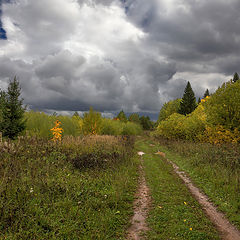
pixel 206 94
pixel 235 77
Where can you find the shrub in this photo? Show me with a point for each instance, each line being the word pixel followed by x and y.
pixel 92 122
pixel 116 127
pixel 130 128
pixel 172 127
pixel 112 127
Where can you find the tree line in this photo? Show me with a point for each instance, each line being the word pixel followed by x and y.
pixel 187 103
pixel 14 119
pixel 215 118
pixel 144 121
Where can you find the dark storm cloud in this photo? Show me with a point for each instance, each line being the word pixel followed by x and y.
pixel 203 32
pixel 117 54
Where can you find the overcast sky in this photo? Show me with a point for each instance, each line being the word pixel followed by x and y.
pixel 110 54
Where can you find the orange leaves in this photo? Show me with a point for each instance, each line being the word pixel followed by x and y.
pixel 57 132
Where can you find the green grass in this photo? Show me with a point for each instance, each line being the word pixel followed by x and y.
pixel 214 169
pixel 175 214
pixel 44 196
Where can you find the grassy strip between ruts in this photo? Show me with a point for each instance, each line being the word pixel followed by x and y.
pixel 213 178
pixel 175 214
pixel 63 202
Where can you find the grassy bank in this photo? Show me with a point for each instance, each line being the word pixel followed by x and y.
pixel 215 169
pixel 80 189
pixel 174 213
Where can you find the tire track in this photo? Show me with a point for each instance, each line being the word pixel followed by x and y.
pixel 141 207
pixel 226 229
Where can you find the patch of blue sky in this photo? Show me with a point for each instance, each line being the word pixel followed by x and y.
pixel 3 34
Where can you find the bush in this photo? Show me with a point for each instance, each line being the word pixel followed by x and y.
pixel 172 127
pixel 92 122
pixel 116 127
pixel 131 129
pixel 177 126
pixel 112 127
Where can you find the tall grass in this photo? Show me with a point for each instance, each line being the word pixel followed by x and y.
pixel 81 188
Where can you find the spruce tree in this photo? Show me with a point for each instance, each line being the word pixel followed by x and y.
pixel 188 103
pixel 146 123
pixel 2 106
pixel 206 94
pixel 199 100
pixel 235 77
pixel 12 123
pixel 76 114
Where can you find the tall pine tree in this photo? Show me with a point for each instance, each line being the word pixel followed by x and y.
pixel 206 94
pixel 146 123
pixel 12 123
pixel 235 77
pixel 188 103
pixel 199 100
pixel 2 105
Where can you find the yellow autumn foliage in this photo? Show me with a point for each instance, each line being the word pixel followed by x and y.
pixel 57 131
pixel 219 135
pixel 188 127
pixel 216 119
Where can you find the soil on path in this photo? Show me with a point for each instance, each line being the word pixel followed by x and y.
pixel 141 206
pixel 226 229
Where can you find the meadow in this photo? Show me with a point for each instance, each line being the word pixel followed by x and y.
pixel 68 177
pixel 79 188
